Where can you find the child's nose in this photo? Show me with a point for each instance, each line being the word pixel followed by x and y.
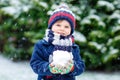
pixel 62 28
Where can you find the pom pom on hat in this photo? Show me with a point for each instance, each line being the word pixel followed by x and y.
pixel 62 13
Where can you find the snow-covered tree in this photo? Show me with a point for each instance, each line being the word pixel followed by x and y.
pixel 23 22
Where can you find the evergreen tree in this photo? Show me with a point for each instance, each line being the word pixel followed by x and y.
pixel 97 33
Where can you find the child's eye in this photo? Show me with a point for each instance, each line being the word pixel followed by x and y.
pixel 66 26
pixel 58 25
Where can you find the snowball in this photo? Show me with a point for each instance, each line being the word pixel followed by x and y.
pixel 61 57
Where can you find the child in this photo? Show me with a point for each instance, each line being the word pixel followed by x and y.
pixel 56 56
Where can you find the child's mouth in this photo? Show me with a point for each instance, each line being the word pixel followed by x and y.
pixel 61 34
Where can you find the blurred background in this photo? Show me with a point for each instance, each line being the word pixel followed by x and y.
pixel 23 23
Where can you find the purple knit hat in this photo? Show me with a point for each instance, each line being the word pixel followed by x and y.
pixel 62 13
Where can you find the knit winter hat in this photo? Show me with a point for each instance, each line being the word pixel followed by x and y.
pixel 62 13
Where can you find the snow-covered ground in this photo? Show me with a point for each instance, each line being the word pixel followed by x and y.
pixel 21 71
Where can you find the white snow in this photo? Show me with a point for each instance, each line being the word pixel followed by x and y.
pixel 92 11
pixel 101 23
pixel 43 4
pixel 119 21
pixel 116 15
pixel 54 6
pixel 99 76
pixel 87 20
pixel 12 10
pixel 15 8
pixel 96 45
pixel 15 70
pixel 115 29
pixel 93 16
pixel 103 50
pixel 117 38
pixel 75 9
pixel 113 50
pixel 109 6
pixel 26 8
pixel 79 37
pixel 15 2
pixel 22 71
pixel 109 41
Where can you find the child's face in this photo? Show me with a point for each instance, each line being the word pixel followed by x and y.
pixel 62 27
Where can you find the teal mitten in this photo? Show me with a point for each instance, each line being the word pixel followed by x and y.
pixel 55 69
pixel 68 67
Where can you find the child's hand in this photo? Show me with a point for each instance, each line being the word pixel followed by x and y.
pixel 59 69
pixel 68 67
pixel 55 69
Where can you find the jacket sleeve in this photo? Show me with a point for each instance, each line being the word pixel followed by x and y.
pixel 79 65
pixel 38 64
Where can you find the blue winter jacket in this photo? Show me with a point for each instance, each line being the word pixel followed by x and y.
pixel 40 62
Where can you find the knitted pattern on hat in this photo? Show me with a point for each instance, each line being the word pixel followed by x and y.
pixel 62 13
